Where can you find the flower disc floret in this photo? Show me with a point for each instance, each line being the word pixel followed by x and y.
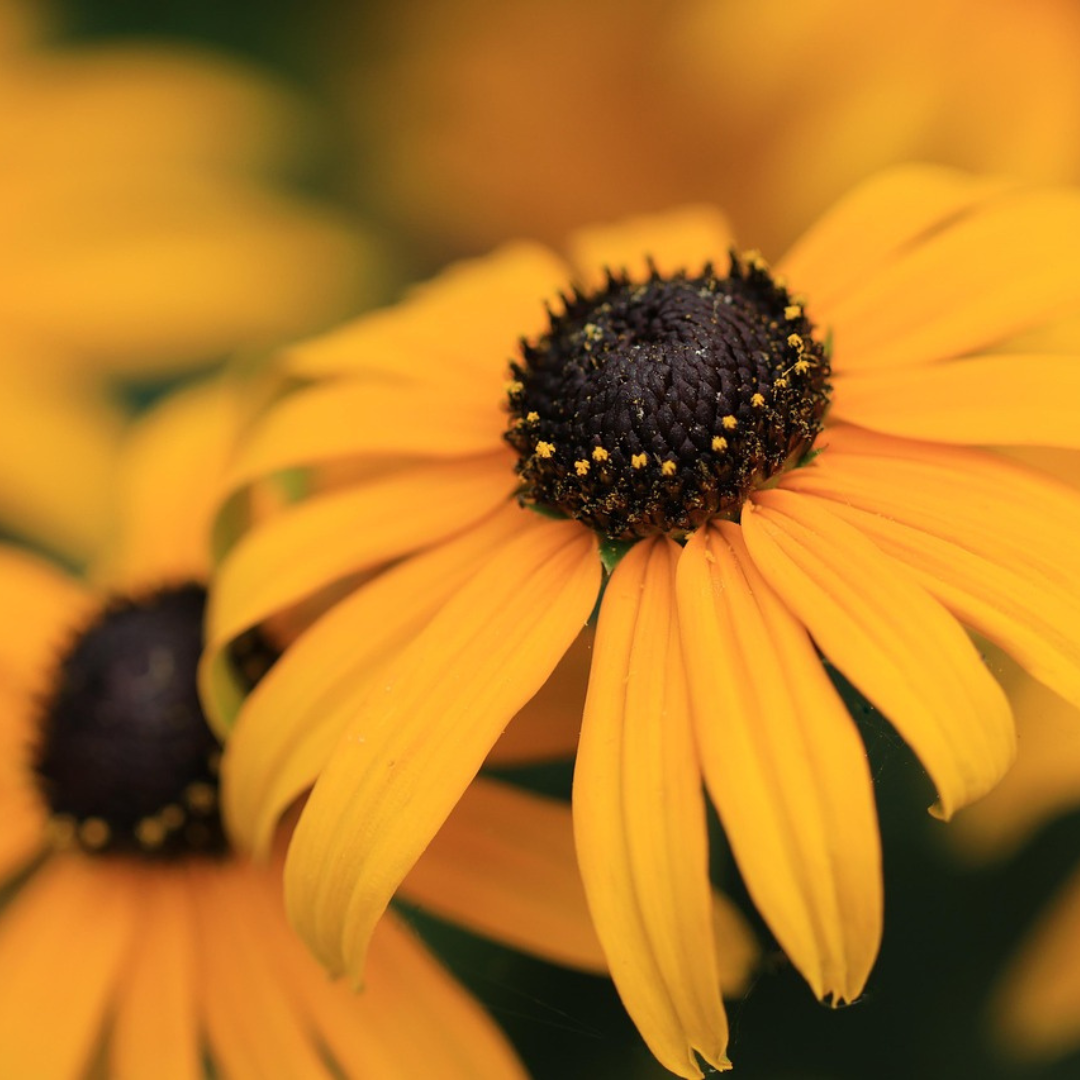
pixel 650 407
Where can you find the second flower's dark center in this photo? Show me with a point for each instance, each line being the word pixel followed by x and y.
pixel 126 761
pixel 650 407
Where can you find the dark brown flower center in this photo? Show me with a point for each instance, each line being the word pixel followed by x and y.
pixel 649 407
pixel 126 760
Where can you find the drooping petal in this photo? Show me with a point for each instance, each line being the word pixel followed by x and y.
pixel 784 765
pixel 156 1030
pixel 63 942
pixel 639 819
pixel 252 1023
pixel 342 418
pixel 891 639
pixel 993 541
pixel 412 748
pixel 285 734
pixel 503 864
pixel 465 323
pixel 683 239
pixel 960 291
pixel 874 224
pixel 1013 399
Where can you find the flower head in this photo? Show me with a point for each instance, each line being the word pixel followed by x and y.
pixel 728 504
pixel 130 927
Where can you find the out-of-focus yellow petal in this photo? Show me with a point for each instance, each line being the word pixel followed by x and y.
pixel 990 539
pixel 639 819
pixel 156 1030
pixel 285 734
pixel 63 942
pixel 784 765
pixel 503 864
pixel 684 239
pixel 405 761
pixel 21 808
pixel 998 399
pixel 891 639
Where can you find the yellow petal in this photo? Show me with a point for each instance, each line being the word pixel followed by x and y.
pixel 285 732
pixel 639 819
pixel 737 950
pixel 1037 1009
pixel 156 1030
pixel 990 539
pixel 403 762
pixel 1015 399
pixel 874 224
pixel 465 323
pixel 503 865
pixel 784 765
pixel 252 1021
pixel 169 481
pixel 63 942
pixel 683 239
pixel 891 639
pixel 343 418
pixel 995 273
pixel 328 537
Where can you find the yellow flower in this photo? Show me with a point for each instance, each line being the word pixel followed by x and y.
pixel 871 540
pixel 130 930
pixel 770 108
pixel 141 232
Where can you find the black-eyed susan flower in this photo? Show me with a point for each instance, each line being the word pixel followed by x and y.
pixel 144 230
pixel 739 468
pixel 132 940
pixel 771 109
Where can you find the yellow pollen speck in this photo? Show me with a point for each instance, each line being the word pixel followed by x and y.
pixel 792 311
pixel 757 400
pixel 795 341
pixel 150 832
pixel 600 454
pixel 639 461
pixel 544 449
pixel 532 417
pixel 756 260
pixel 781 383
pixel 581 467
pixel 172 816
pixel 94 833
pixel 514 387
pixel 200 797
pixel 61 831
pixel 802 367
pixel 730 422
pixel 669 468
pixel 719 442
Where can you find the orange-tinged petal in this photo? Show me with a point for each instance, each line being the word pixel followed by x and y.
pixel 683 239
pixel 993 274
pixel 168 484
pixel 503 864
pixel 784 765
pixel 874 224
pixel 1037 1009
pixel 285 733
pixel 343 418
pixel 412 748
pixel 156 1031
pixel 892 640
pixel 639 819
pixel 990 539
pixel 252 1023
pixel 328 537
pixel 43 607
pixel 1014 399
pixel 63 942
pixel 465 323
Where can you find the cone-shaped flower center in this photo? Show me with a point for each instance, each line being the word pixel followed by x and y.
pixel 650 407
pixel 126 761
